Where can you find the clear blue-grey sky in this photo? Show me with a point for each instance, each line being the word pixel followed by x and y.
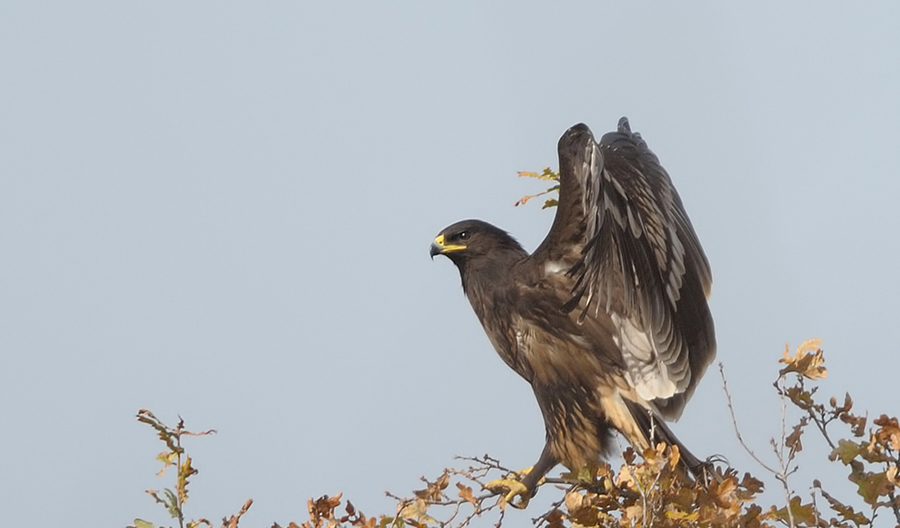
pixel 223 211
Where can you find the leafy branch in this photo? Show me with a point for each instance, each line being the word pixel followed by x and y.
pixel 175 456
pixel 648 489
pixel 547 175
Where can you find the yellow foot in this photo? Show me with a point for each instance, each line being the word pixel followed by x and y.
pixel 512 487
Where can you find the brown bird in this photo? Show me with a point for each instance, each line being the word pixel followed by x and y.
pixel 608 318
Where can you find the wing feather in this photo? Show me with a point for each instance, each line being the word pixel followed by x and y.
pixel 634 258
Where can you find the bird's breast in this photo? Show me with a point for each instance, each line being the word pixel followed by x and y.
pixel 555 358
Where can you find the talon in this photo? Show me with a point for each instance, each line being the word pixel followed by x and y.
pixel 511 487
pixel 706 473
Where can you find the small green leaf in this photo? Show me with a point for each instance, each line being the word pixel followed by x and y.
pixel 800 513
pixel 846 451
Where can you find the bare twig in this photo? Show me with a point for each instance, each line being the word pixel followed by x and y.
pixel 737 430
pixel 544 517
pixel 783 472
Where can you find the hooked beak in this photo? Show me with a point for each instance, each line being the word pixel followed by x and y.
pixel 439 247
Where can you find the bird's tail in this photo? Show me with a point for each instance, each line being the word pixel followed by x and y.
pixel 655 430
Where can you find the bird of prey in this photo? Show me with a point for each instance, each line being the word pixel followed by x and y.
pixel 608 318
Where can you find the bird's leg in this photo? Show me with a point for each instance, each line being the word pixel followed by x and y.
pixel 513 486
pixel 523 484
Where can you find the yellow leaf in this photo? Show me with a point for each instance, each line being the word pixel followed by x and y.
pixel 808 362
pixel 891 475
pixel 810 345
pixel 416 511
pixel 547 174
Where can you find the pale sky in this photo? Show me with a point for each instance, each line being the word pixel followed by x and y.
pixel 222 211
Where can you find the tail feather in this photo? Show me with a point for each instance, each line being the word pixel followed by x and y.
pixel 655 430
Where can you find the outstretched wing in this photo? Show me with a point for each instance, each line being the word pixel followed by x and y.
pixel 624 247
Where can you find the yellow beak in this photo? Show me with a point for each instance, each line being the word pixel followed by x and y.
pixel 438 247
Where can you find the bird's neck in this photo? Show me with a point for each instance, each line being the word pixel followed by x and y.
pixel 488 280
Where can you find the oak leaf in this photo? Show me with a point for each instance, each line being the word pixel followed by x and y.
pixel 809 361
pixel 888 433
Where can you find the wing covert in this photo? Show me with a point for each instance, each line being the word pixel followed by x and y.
pixel 632 255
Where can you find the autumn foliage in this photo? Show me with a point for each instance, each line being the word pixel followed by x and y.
pixel 646 490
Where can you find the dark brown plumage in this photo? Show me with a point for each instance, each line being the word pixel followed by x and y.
pixel 608 318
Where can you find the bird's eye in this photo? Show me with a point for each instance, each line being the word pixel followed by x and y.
pixel 463 235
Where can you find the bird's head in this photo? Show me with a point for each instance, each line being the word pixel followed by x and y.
pixel 468 240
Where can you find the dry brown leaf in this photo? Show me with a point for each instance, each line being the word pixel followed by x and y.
pixel 888 433
pixel 809 360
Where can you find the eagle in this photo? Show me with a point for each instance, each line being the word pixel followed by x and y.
pixel 608 318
